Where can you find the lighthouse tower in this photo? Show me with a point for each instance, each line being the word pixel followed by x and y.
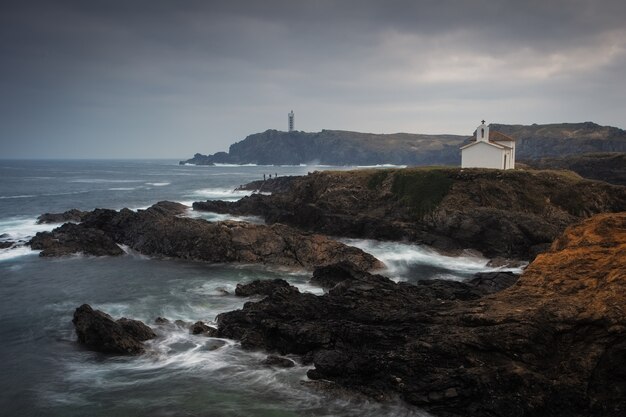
pixel 290 121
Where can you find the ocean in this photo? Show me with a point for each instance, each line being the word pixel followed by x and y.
pixel 44 372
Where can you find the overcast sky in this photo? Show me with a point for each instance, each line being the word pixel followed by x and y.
pixel 166 79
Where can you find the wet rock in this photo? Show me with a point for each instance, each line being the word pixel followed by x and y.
pixel 98 331
pixel 265 287
pixel 278 362
pixel 553 343
pixel 491 282
pixel 73 238
pixel 136 329
pixel 5 244
pixel 200 328
pixel 161 320
pixel 330 275
pixel 73 215
pixel 160 231
pixel 182 323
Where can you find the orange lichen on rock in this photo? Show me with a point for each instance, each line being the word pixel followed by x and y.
pixel 586 267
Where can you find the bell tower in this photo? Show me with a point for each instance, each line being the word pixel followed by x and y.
pixel 482 132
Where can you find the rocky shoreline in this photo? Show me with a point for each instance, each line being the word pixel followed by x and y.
pixel 552 342
pixel 160 231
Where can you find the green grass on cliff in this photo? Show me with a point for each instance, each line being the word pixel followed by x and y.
pixel 420 189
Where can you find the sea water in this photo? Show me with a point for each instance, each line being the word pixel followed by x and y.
pixel 44 372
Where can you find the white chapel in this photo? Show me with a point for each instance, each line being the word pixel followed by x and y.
pixel 489 150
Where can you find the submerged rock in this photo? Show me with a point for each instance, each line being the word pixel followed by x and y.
pixel 98 331
pixel 159 231
pixel 552 344
pixel 5 244
pixel 200 328
pixel 278 362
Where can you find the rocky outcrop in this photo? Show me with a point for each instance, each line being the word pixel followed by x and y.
pixel 552 344
pixel 269 185
pixel 160 231
pixel 72 238
pixel 512 214
pixel 98 331
pixel 267 287
pixel 73 215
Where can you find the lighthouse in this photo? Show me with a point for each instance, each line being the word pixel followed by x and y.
pixel 290 121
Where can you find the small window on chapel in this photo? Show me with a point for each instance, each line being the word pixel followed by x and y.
pixel 482 133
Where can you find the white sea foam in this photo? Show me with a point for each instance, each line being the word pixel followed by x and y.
pixel 122 189
pixel 400 258
pixel 382 166
pixel 101 181
pixel 219 194
pixel 158 184
pixel 235 165
pixel 16 252
pixel 3 197
pixel 23 228
pixel 217 217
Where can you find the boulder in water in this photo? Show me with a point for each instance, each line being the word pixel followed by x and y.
pixel 99 332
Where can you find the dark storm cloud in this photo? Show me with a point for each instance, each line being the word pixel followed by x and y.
pixel 168 78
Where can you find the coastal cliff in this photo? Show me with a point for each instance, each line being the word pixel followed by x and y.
pixel 552 344
pixel 513 213
pixel 337 147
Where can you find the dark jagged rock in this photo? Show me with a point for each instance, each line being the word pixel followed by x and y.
pixel 5 244
pixel 278 362
pixel 510 214
pixel 72 215
pixel 268 185
pixel 73 238
pixel 98 331
pixel 330 275
pixel 554 343
pixel 160 231
pixel 161 320
pixel 200 328
pixel 266 287
pixel 491 282
pixel 136 329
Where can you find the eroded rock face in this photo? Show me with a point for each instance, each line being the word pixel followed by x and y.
pixel 98 331
pixel 159 231
pixel 267 287
pixel 553 344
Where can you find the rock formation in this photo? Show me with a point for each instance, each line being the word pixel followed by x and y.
pixel 552 344
pixel 98 331
pixel 513 213
pixel 160 231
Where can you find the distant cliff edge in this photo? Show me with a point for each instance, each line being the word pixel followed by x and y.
pixel 337 147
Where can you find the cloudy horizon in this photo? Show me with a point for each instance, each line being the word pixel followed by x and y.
pixel 165 79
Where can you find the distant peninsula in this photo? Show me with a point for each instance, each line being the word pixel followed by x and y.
pixel 339 147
